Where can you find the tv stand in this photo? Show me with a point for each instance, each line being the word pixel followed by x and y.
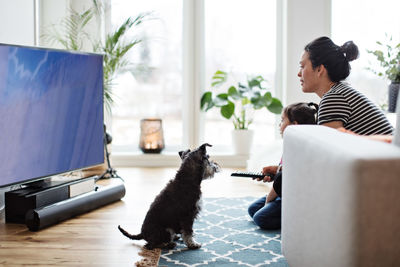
pixel 40 207
pixel 44 184
pixel 2 205
pixel 31 196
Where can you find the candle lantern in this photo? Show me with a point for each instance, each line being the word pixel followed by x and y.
pixel 151 136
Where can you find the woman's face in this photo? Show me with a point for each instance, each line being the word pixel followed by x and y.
pixel 308 76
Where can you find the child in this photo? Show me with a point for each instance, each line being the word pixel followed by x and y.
pixel 266 211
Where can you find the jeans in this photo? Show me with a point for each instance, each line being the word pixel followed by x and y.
pixel 266 216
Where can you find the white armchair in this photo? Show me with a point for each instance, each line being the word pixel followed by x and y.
pixel 341 199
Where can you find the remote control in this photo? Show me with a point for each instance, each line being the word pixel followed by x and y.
pixel 252 174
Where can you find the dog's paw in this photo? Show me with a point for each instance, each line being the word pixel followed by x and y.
pixel 170 245
pixel 149 246
pixel 194 245
pixel 189 241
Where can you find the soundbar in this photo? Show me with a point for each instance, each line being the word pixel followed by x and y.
pixel 44 193
pixel 39 218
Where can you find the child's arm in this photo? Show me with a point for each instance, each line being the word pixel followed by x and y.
pixel 269 169
pixel 271 196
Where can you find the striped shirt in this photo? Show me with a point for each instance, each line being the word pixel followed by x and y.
pixel 357 112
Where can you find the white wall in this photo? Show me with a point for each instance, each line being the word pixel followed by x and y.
pixel 303 21
pixel 17 22
pixel 18 19
pixel 50 13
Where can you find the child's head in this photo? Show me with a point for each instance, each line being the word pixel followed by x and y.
pixel 298 113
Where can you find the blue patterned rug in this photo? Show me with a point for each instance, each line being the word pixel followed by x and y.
pixel 228 237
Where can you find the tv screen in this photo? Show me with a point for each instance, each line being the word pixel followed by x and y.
pixel 51 112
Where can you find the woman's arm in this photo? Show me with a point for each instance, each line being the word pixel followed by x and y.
pixel 333 124
pixel 376 137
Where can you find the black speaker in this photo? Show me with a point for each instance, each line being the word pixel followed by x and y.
pixel 39 218
pixel 18 202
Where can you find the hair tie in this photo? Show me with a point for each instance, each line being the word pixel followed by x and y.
pixel 343 51
pixel 313 105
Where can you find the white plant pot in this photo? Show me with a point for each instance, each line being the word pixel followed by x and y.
pixel 242 141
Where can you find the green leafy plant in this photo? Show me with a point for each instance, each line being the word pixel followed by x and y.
pixel 114 50
pixel 72 32
pixel 236 101
pixel 389 59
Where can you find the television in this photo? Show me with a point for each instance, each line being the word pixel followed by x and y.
pixel 51 112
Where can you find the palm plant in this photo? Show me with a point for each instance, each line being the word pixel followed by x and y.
pixel 72 33
pixel 114 50
pixel 73 30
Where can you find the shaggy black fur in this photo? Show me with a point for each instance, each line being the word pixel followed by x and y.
pixel 175 208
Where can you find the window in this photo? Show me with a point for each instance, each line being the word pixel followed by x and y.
pixel 156 92
pixel 241 42
pixel 365 22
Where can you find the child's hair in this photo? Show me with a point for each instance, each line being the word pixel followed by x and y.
pixel 302 113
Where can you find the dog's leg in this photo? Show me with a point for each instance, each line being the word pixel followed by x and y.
pixel 168 245
pixel 160 238
pixel 187 237
pixel 176 237
pixel 149 246
pixel 171 244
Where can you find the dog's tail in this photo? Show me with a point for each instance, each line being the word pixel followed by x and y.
pixel 134 237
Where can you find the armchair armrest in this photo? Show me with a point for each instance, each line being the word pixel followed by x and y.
pixel 340 199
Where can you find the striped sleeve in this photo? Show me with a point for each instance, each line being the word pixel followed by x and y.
pixel 333 107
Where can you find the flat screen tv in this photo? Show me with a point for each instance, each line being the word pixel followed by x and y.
pixel 51 112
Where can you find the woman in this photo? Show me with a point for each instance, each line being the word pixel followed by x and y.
pixel 323 67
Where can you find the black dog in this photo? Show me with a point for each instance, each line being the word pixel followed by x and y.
pixel 174 209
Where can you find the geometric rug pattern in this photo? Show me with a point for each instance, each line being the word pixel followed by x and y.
pixel 229 238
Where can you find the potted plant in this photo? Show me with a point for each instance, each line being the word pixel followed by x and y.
pixel 236 102
pixel 389 60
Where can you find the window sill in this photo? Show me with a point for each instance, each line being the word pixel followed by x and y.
pixel 171 159
pixel 268 154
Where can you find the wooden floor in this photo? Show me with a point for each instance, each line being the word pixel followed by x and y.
pixel 93 238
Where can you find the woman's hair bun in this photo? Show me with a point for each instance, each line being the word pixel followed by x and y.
pixel 350 50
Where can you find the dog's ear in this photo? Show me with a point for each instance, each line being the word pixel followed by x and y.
pixel 203 147
pixel 182 154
